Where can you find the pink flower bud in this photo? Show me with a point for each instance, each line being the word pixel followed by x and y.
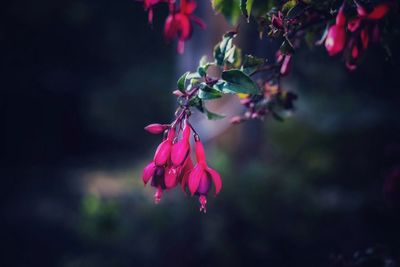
pixel 236 120
pixel 156 128
pixel 286 65
pixel 335 40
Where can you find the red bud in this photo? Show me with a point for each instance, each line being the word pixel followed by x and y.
pixel 156 128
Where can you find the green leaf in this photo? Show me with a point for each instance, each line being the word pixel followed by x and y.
pixel 289 5
pixel 251 64
pixel 236 81
pixel 197 103
pixel 213 116
pixel 234 56
pixel 181 82
pixel 208 93
pixel 230 9
pixel 193 75
pixel 222 47
pixel 245 7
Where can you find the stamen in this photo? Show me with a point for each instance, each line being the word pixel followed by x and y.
pixel 203 202
pixel 157 195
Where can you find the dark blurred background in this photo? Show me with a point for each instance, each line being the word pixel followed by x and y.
pixel 80 80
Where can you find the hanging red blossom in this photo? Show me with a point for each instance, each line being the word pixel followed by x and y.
pixel 179 23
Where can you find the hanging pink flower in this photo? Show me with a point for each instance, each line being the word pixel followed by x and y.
pixel 201 178
pixel 179 23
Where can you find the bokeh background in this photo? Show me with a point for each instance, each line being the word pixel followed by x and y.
pixel 79 81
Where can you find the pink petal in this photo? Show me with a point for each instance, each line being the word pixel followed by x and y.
pixel 194 178
pixel 185 27
pixel 354 52
pixel 364 38
pixel 170 28
pixel 148 172
pixel 179 152
pixel 216 178
pixel 162 153
pixel 379 11
pixel 171 175
pixel 204 185
pixel 286 65
pixel 376 33
pixel 199 22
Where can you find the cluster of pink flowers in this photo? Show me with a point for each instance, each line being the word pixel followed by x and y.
pixel 353 36
pixel 172 163
pixel 179 21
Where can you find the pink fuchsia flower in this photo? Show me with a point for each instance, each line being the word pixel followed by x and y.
pixel 179 23
pixel 157 175
pixel 364 28
pixel 174 175
pixel 201 177
pixel 378 12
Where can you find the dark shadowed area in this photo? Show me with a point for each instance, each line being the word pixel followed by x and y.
pixel 80 80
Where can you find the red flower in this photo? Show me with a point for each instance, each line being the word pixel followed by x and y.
pixel 179 23
pixel 201 177
pixel 362 27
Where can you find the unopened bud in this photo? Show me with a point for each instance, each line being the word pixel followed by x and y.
pixel 156 128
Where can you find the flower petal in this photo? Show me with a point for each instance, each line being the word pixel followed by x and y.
pixel 379 11
pixel 171 175
pixel 194 178
pixel 162 153
pixel 148 172
pixel 179 152
pixel 216 178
